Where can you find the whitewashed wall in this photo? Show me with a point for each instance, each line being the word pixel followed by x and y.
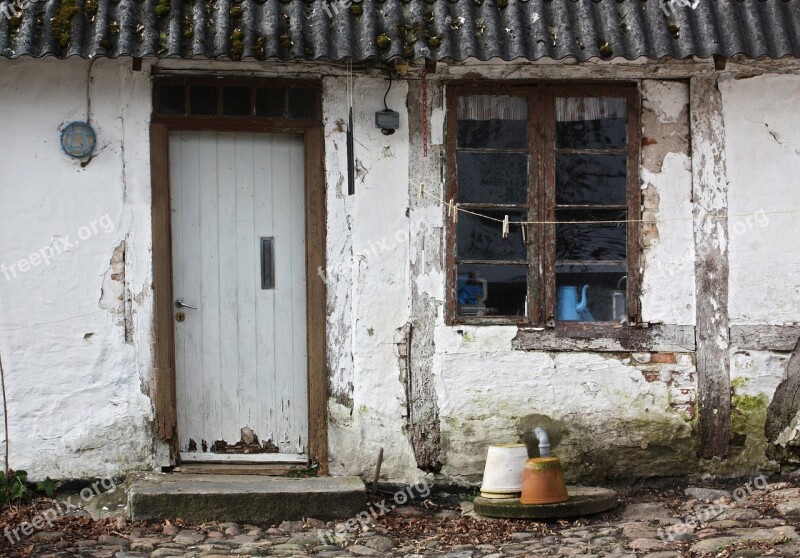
pixel 75 334
pixel 75 401
pixel 368 279
pixel 762 128
pixel 485 391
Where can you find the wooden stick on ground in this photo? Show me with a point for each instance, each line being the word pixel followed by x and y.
pixel 374 491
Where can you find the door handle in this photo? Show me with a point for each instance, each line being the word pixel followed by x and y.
pixel 180 304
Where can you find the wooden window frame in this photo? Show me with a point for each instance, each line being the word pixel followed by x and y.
pixel 541 200
pixel 221 122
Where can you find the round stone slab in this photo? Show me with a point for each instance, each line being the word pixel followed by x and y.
pixel 583 500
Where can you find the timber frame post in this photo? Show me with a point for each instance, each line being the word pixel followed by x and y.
pixel 710 202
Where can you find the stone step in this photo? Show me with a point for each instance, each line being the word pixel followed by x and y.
pixel 244 499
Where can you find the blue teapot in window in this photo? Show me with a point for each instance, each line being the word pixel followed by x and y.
pixel 568 308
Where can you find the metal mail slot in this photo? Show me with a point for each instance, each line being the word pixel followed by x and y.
pixel 267 262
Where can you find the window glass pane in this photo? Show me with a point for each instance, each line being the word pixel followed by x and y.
pixel 492 121
pixel 171 99
pixel 482 239
pixel 590 179
pixel 491 290
pixel 302 103
pixel 605 288
pixel 589 242
pixel 270 101
pixel 591 122
pixel 236 101
pixel 203 100
pixel 492 177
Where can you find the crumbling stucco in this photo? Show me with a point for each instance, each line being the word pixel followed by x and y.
pixel 75 331
pixel 430 394
pixel 668 263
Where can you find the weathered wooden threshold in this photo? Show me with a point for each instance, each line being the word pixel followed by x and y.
pixel 609 338
pixel 265 469
pixel 207 457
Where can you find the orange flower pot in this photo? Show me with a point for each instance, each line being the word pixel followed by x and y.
pixel 543 482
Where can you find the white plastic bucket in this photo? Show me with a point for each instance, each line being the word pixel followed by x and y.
pixel 505 467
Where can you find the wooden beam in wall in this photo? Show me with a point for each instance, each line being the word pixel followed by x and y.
pixel 710 197
pixel 317 303
pixel 163 342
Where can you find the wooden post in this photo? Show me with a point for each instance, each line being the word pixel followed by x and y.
pixel 710 201
pixel 423 412
pixel 163 341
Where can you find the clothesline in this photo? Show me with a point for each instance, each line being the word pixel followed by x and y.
pixel 453 210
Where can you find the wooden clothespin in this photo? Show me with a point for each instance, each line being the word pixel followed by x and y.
pixel 524 229
pixel 505 226
pixel 452 211
pixel 421 189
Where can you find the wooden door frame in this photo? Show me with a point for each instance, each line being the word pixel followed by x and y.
pixel 163 391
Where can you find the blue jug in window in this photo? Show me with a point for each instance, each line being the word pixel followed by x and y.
pixel 568 308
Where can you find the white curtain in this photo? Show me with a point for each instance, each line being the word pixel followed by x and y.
pixel 573 109
pixel 492 107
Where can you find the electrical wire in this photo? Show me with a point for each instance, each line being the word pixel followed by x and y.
pixel 88 86
pixel 387 90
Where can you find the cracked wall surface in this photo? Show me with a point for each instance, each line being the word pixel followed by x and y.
pixel 666 175
pixel 763 159
pixel 75 332
pixel 763 122
pixel 433 396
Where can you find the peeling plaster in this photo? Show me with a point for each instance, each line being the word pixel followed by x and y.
pixel 763 128
pixel 616 414
pixel 75 382
pixel 668 263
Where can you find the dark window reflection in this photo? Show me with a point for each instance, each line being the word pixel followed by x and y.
pixel 591 179
pixel 492 121
pixel 482 239
pixel 581 242
pixel 270 101
pixel 302 103
pixel 203 100
pixel 504 134
pixel 171 99
pixel 591 122
pixel 492 177
pixel 491 290
pixel 236 101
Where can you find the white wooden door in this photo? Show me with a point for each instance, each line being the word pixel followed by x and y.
pixel 241 354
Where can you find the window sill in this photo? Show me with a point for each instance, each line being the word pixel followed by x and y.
pixel 606 337
pixel 489 320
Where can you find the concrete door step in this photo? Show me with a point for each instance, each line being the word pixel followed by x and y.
pixel 244 499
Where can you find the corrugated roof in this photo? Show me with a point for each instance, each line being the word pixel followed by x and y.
pixel 434 29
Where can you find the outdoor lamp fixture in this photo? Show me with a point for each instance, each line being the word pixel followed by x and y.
pixel 78 139
pixel 387 120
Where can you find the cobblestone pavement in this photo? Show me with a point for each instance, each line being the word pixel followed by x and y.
pixel 746 523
